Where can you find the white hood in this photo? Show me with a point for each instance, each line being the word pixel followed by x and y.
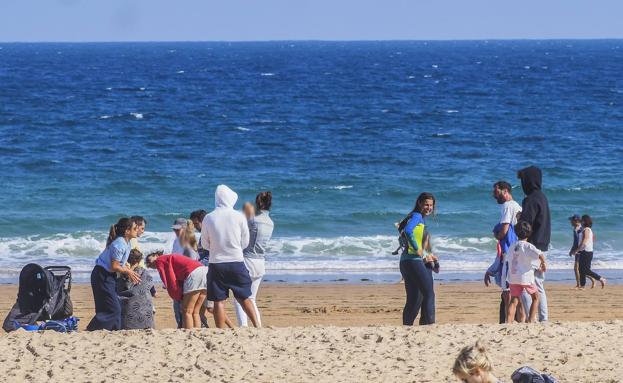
pixel 225 232
pixel 225 197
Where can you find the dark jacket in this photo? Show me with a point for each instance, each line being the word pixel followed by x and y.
pixel 535 208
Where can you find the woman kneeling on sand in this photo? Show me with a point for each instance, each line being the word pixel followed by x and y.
pixel 417 263
pixel 185 281
pixel 104 276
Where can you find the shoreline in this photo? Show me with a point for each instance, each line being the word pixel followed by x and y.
pixel 346 305
pixel 614 277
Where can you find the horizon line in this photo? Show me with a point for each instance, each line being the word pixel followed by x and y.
pixel 308 40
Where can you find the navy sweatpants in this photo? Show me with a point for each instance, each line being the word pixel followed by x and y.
pixel 107 305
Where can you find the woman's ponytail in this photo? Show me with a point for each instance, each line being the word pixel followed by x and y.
pixel 118 230
pixel 112 235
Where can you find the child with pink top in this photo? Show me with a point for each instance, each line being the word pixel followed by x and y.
pixel 523 256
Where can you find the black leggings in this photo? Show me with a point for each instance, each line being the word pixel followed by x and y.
pixel 586 258
pixel 420 293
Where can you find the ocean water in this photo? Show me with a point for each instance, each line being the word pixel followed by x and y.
pixel 345 134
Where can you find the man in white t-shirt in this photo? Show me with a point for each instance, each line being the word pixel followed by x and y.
pixel 503 232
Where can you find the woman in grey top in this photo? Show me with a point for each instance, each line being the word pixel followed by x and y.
pixel 260 231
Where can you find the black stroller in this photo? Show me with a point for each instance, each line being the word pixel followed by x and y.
pixel 43 294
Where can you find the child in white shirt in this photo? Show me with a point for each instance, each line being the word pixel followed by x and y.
pixel 522 256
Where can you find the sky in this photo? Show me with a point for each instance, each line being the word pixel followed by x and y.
pixel 260 20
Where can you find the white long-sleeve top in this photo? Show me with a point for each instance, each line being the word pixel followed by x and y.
pixel 224 232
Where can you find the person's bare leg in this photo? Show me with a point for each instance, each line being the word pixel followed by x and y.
pixel 592 281
pixel 188 305
pixel 510 313
pixel 520 315
pixel 576 269
pixel 228 321
pixel 197 308
pixel 202 314
pixel 219 314
pixel 249 309
pixel 534 308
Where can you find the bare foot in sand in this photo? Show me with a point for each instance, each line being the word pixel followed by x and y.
pixel 603 282
pixel 592 283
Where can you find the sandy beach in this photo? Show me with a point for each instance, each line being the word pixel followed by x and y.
pixel 285 305
pixel 340 333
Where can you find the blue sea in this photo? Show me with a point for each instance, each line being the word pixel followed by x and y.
pixel 345 135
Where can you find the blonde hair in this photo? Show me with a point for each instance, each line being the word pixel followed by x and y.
pixel 472 358
pixel 187 237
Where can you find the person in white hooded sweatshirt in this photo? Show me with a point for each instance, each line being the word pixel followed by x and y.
pixel 224 232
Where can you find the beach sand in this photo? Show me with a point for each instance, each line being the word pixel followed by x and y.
pixel 356 337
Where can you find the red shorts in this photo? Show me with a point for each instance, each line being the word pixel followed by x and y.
pixel 516 290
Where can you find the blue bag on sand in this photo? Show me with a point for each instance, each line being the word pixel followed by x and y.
pixel 66 325
pixel 529 375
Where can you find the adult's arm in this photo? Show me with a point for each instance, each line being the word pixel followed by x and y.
pixel 244 232
pixel 582 245
pixel 205 237
pixel 117 268
pixel 503 230
pixel 165 269
pixel 252 225
pixel 529 211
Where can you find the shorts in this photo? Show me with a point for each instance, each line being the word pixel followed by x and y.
pixel 517 289
pixel 223 277
pixel 197 280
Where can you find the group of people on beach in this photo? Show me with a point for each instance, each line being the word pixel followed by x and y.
pixel 523 235
pixel 198 274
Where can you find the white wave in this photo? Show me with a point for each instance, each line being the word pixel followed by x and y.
pixel 411 77
pixel 435 66
pixel 312 254
pixel 242 129
pixel 141 88
pixel 342 187
pixel 105 117
pixel 452 111
pixel 428 75
pixel 179 72
pixel 138 116
pixel 267 74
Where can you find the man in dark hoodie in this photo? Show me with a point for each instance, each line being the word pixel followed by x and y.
pixel 535 211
